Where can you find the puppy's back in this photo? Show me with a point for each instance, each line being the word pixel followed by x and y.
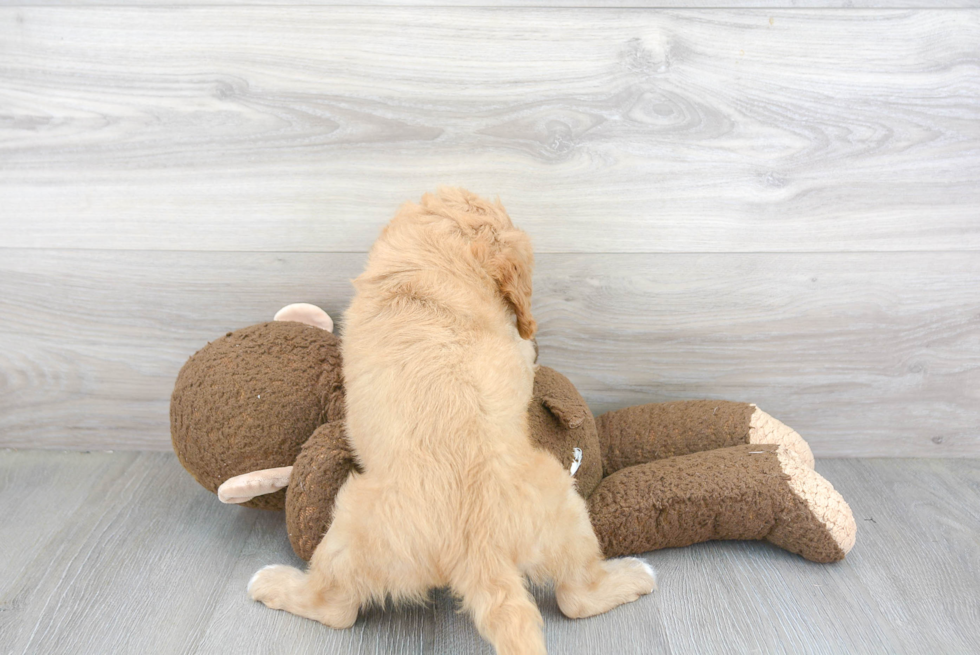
pixel 436 371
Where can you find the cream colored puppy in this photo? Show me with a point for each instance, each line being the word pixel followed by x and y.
pixel 439 371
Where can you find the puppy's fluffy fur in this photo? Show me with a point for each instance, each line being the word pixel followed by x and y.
pixel 439 371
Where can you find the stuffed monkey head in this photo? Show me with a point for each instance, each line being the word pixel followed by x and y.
pixel 251 399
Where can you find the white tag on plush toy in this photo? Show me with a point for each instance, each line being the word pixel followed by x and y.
pixel 577 454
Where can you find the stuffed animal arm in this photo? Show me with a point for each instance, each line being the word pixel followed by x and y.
pixel 245 487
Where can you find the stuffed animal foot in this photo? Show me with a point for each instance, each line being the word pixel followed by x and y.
pixel 816 522
pixel 766 429
pixel 754 491
pixel 643 433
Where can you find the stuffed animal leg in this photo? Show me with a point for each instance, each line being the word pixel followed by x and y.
pixel 755 491
pixel 643 433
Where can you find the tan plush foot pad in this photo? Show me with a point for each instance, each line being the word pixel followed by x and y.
pixel 765 429
pixel 818 524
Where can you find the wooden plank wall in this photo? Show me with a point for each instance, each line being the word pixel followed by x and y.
pixel 775 205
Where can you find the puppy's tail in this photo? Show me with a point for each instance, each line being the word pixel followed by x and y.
pixel 503 610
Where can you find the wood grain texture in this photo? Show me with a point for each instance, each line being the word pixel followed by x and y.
pixel 865 354
pixel 606 130
pixel 139 558
pixel 609 4
pixel 941 511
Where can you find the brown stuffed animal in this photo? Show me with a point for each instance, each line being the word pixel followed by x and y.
pixel 654 476
pixel 252 398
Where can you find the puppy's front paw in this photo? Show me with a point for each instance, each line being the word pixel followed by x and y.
pixel 271 584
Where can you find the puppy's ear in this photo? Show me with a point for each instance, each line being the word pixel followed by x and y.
pixel 512 267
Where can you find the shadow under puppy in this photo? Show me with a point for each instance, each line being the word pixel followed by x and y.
pixel 439 369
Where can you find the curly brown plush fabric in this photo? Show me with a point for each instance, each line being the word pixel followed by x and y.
pixel 561 421
pixel 741 492
pixel 640 434
pixel 250 399
pixel 323 466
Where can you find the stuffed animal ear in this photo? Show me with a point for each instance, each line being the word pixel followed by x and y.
pixel 245 487
pixel 304 312
pixel 569 413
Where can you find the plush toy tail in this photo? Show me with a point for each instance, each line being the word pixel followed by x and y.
pixel 245 487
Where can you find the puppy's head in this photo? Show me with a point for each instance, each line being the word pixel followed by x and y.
pixel 499 248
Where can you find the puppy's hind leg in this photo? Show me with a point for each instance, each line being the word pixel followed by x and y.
pixel 502 608
pixel 585 584
pixel 603 585
pixel 332 590
pixel 304 594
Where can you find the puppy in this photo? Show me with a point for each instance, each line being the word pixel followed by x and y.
pixel 439 369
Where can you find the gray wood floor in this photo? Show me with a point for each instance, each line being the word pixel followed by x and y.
pixel 124 553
